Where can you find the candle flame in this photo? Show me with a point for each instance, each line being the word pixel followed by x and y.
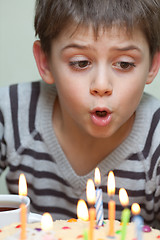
pixel 135 208
pixel 123 197
pixel 46 222
pixel 90 192
pixel 97 176
pixel 82 210
pixel 22 185
pixel 111 183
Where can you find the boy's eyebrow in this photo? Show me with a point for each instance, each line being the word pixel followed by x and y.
pixel 76 46
pixel 127 48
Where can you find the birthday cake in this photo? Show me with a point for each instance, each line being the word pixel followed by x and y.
pixel 75 230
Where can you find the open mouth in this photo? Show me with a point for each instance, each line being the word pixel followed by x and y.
pixel 101 117
pixel 101 113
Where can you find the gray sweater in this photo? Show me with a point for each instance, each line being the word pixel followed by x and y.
pixel 28 144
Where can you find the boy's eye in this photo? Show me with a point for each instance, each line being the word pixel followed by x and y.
pixel 124 65
pixel 79 64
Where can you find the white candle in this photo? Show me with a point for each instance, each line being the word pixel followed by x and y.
pixel 99 201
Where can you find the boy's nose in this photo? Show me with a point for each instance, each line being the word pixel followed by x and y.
pixel 101 84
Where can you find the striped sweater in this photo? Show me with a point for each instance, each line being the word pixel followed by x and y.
pixel 28 144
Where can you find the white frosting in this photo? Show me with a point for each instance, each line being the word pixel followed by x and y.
pixel 74 231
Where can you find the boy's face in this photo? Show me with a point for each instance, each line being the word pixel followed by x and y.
pixel 100 81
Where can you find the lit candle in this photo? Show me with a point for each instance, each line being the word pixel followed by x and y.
pixel 138 220
pixel 111 203
pixel 99 202
pixel 123 197
pixel 46 225
pixel 82 210
pixel 23 212
pixel 91 197
pixel 82 213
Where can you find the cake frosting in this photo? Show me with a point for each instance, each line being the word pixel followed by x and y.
pixel 75 230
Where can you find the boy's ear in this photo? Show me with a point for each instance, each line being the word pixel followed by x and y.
pixel 154 68
pixel 42 63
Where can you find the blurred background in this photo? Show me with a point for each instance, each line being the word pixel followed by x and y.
pixel 16 39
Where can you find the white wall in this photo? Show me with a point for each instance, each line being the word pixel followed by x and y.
pixel 16 39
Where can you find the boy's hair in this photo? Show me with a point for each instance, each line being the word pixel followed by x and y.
pixel 53 16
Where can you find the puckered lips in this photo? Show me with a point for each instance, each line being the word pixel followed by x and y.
pixel 101 117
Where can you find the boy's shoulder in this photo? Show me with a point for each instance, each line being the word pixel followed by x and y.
pixel 148 109
pixel 149 101
pixel 19 88
pixel 20 92
pixel 22 85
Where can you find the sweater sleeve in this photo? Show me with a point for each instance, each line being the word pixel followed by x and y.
pixel 157 195
pixel 2 144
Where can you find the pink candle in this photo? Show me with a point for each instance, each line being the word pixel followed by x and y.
pixel 46 225
pixel 111 204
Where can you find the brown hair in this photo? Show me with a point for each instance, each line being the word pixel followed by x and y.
pixel 52 16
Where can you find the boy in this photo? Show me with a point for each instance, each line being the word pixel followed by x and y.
pixel 95 58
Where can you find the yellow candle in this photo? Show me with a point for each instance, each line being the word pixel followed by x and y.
pixel 91 197
pixel 92 216
pixel 111 204
pixel 23 213
pixel 111 217
pixel 23 221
